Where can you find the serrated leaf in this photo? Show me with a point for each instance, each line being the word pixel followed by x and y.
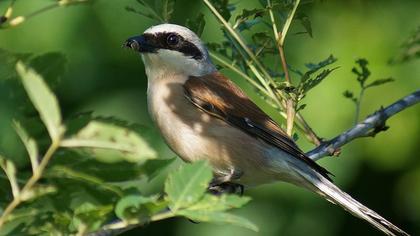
pixel 187 185
pixel 315 67
pixel 29 143
pixel 311 83
pixel 111 143
pixel 133 207
pixel 43 100
pixel 218 217
pixel 223 8
pixel 197 24
pixel 362 72
pixel 379 82
pixel 305 22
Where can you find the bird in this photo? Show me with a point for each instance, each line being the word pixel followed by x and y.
pixel 203 115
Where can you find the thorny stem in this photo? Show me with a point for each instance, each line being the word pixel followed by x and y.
pixel 37 174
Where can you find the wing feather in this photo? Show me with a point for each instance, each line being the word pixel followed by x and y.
pixel 221 98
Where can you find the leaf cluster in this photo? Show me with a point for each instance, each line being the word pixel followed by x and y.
pixel 86 171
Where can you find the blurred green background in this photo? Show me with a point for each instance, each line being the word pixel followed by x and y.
pixel 383 173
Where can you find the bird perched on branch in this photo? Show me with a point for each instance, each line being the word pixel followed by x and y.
pixel 203 115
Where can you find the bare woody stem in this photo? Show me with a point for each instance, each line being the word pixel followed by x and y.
pixel 280 36
pixel 369 127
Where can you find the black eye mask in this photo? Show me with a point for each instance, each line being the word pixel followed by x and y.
pixel 160 41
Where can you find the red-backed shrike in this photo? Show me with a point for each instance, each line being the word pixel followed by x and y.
pixel 202 115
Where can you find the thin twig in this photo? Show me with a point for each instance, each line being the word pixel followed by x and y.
pixel 20 19
pixel 373 124
pixel 31 182
pixel 280 36
pixel 119 226
pixel 359 104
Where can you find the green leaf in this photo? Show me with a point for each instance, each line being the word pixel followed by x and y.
pixel 10 169
pixel 197 24
pixel 315 67
pixel 305 22
pixel 37 191
pixel 218 217
pixel 134 207
pixel 219 203
pixel 8 63
pixel 311 83
pixel 362 72
pixel 187 185
pixel 410 50
pixel 90 216
pixel 43 99
pixel 223 8
pixel 59 171
pixel 153 167
pixel 379 82
pixel 111 143
pixel 29 143
pixel 166 8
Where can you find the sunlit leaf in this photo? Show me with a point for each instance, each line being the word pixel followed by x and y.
pixel 111 143
pixel 187 185
pixel 133 207
pixel 43 99
pixel 218 217
pixel 37 191
pixel 9 169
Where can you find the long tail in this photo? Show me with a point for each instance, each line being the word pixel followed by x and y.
pixel 327 189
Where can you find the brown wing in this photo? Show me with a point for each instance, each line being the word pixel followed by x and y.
pixel 218 96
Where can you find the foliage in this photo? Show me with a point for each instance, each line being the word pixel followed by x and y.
pixel 68 179
pixel 410 49
pixel 362 74
pixel 100 167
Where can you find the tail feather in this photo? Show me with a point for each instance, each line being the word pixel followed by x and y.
pixel 327 189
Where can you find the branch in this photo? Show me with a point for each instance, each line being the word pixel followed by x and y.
pixel 12 22
pixel 372 125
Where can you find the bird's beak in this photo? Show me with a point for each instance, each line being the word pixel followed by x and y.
pixel 139 44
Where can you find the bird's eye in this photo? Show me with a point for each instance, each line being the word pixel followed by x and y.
pixel 172 39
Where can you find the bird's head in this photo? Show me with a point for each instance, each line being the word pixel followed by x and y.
pixel 172 47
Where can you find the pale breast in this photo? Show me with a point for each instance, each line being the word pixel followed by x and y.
pixel 194 135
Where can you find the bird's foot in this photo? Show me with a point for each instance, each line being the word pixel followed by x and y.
pixel 227 187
